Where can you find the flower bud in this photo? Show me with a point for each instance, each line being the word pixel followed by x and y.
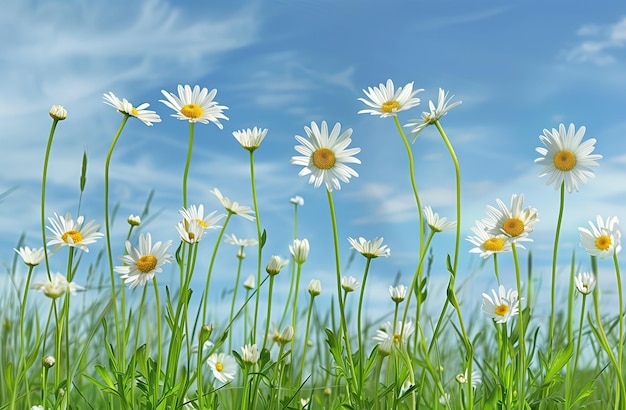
pixel 58 113
pixel 48 362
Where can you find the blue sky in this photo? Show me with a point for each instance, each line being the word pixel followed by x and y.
pixel 518 67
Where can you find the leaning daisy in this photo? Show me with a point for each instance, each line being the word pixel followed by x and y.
pixel 232 239
pixel 585 282
pixel 223 366
pixel 233 207
pixel 514 222
pixel 67 232
pixel 196 214
pixel 325 156
pixel 349 284
pixel 56 287
pixel 486 243
pixel 31 257
pixel 435 113
pixel 501 306
pixel 385 100
pixel 250 139
pixel 125 107
pixel 565 158
pixel 602 240
pixel 436 223
pixel 370 249
pixel 141 264
pixel 195 105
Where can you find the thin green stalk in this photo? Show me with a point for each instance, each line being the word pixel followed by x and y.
pixel 205 297
pixel 521 334
pixel 260 243
pixel 44 179
pixel 620 345
pixel 293 267
pixel 306 338
pixel 359 328
pixel 136 343
pixel 269 311
pixel 65 314
pixel 554 254
pixel 568 387
pixel 24 368
pixel 232 305
pixel 159 339
pixel 188 161
pixel 294 315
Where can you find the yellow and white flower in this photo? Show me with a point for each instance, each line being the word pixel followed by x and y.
pixel 602 240
pixel 195 105
pixel 141 264
pixel 386 101
pixel 501 306
pixel 67 232
pixel 125 107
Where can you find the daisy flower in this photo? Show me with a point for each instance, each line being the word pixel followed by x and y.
pixel 585 282
pixel 233 240
pixel 476 378
pixel 299 250
pixel 297 200
pixel 386 332
pixel 275 265
pixel 315 287
pixel 325 156
pixel 486 243
pixel 435 113
pixel 385 101
pixel 250 354
pixel 435 223
pixel 141 264
pixel 67 232
pixel 31 257
pixel 501 306
pixel 233 207
pixel 349 283
pixel 514 222
pixel 134 220
pixel 223 366
pixel 370 249
pixel 190 232
pixel 195 105
pixel 250 139
pixel 58 113
pixel 56 287
pixel 397 293
pixel 565 158
pixel 603 240
pixel 123 106
pixel 249 282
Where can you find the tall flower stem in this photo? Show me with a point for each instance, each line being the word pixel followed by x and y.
pixel 293 267
pixel 232 305
pixel 210 270
pixel 294 316
pixel 306 339
pixel 186 171
pixel 22 343
pixel 159 339
pixel 359 319
pixel 554 254
pixel 620 348
pixel 260 242
pixel 44 179
pixel 269 311
pixel 521 339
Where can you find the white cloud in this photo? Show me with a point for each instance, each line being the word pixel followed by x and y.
pixel 599 43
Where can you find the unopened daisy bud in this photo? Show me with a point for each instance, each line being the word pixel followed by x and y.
pixel 286 335
pixel 461 378
pixel 58 113
pixel 48 361
pixel 249 282
pixel 250 353
pixel 275 264
pixel 205 333
pixel 328 391
pixel 398 293
pixel 315 287
pixel 297 200
pixel 299 250
pixel 134 220
pixel 349 283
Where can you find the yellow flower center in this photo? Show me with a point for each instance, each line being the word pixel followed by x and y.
pixel 513 227
pixel 134 112
pixel 396 338
pixel 502 310
pixel 427 119
pixel 564 160
pixel 192 111
pixel 219 367
pixel 603 242
pixel 72 234
pixel 390 106
pixel 201 223
pixel 324 158
pixel 493 244
pixel 585 288
pixel 146 263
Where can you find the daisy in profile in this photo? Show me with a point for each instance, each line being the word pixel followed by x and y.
pixel 602 240
pixel 325 156
pixel 501 306
pixel 386 332
pixel 443 106
pixel 223 366
pixel 31 257
pixel 514 222
pixel 141 264
pixel 195 105
pixel 370 249
pixel 487 244
pixel 565 158
pixel 125 107
pixel 56 287
pixel 67 232
pixel 385 100
pixel 196 214
pixel 585 282
pixel 349 284
pixel 250 139
pixel 233 207
pixel 436 223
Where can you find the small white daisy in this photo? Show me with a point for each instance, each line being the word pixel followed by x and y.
pixel 125 107
pixel 349 283
pixel 275 265
pixel 514 222
pixel 249 283
pixel 435 113
pixel 299 250
pixel 56 287
pixel 195 105
pixel 141 264
pixel 31 257
pixel 233 207
pixel 67 232
pixel 250 139
pixel 223 366
pixel 602 240
pixel 370 249
pixel 585 282
pixel 486 243
pixel 233 240
pixel 436 223
pixel 315 287
pixel 385 100
pixel 400 334
pixel 397 293
pixel 502 306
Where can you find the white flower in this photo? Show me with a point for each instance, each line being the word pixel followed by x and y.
pixel 232 239
pixel 299 250
pixel 603 240
pixel 31 257
pixel 140 265
pixel 397 293
pixel 325 156
pixel 585 282
pixel 435 113
pixel 385 101
pixel 195 105
pixel 565 158
pixel 223 366
pixel 514 222
pixel 275 265
pixel 502 306
pixel 304 403
pixel 286 335
pixel 435 223
pixel 190 232
pixel 444 399
pixel 297 200
pixel 250 353
pixel 315 287
pixel 195 223
pixel 400 334
pixel 57 112
pixel 123 106
pixel 486 243
pixel 250 139
pixel 56 287
pixel 233 207
pixel 66 232
pixel 134 220
pixel 349 283
pixel 370 249
pixel 38 407
pixel 476 378
pixel 249 282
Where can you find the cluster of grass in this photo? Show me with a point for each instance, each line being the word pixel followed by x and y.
pixel 100 348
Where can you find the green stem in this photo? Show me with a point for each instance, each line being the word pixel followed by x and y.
pixel 620 348
pixel 293 267
pixel 294 315
pixel 568 392
pixel 210 270
pixel 44 179
pixel 260 243
pixel 359 328
pixel 22 344
pixel 554 254
pixel 521 334
pixel 232 305
pixel 269 311
pixel 186 171
pixel 306 339
pixel 159 339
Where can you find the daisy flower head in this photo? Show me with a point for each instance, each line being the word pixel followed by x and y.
pixel 249 282
pixel 436 223
pixel 196 214
pixel 585 282
pixel 565 158
pixel 233 240
pixel 386 332
pixel 349 283
pixel 501 306
pixel 141 264
pixel 190 232
pixel 195 105
pixel 56 287
pixel 134 220
pixel 370 249
pixel 325 156
pixel 223 366
pixel 315 287
pixel 602 240
pixel 125 107
pixel 397 293
pixel 250 353
pixel 514 222
pixel 250 139
pixel 385 100
pixel 297 200
pixel 57 112
pixel 443 106
pixel 486 243
pixel 31 257
pixel 233 207
pixel 275 265
pixel 299 250
pixel 67 232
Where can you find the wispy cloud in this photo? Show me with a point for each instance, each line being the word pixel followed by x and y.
pixel 599 43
